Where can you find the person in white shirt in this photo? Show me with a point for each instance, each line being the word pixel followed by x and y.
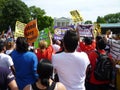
pixel 56 45
pixel 5 60
pixel 71 65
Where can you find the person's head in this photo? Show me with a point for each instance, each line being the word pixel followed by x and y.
pixel 45 71
pixel 101 44
pixel 70 40
pixel 21 44
pixel 98 38
pixel 2 45
pixel 10 45
pixel 43 44
pixel 88 40
pixel 117 37
pixel 108 32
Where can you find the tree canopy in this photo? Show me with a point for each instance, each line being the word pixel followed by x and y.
pixel 109 18
pixel 88 22
pixel 43 20
pixel 13 10
pixel 112 18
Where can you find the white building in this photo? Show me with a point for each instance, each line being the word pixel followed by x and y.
pixel 63 22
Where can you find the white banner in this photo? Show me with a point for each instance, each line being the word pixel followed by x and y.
pixel 85 30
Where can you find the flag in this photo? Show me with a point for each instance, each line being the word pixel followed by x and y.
pixel 9 32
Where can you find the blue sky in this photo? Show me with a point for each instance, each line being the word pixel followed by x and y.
pixel 89 9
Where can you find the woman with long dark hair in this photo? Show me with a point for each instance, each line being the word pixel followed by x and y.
pixel 44 82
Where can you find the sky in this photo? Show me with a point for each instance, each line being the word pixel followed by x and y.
pixel 89 9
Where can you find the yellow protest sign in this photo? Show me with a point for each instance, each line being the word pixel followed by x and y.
pixel 19 29
pixel 76 17
pixel 97 29
pixel 31 31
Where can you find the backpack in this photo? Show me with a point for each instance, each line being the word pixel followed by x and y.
pixel 103 68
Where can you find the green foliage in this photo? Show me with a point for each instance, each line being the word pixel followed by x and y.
pixel 100 20
pixel 112 18
pixel 88 22
pixel 109 18
pixel 12 11
pixel 44 22
pixel 36 12
pixel 39 14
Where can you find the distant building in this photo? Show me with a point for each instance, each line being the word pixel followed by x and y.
pixel 114 27
pixel 62 22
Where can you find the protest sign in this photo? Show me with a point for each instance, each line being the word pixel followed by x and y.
pixel 85 30
pixel 19 29
pixel 76 17
pixel 31 31
pixel 60 31
pixel 43 35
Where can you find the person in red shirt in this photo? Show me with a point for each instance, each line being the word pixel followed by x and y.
pixel 92 83
pixel 87 44
pixel 44 51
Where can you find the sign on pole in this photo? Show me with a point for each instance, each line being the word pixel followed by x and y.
pixel 19 29
pixel 85 30
pixel 43 35
pixel 31 31
pixel 76 17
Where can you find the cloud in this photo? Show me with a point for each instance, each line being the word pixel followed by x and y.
pixel 89 9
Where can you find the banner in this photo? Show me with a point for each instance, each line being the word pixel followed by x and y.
pixel 43 35
pixel 85 30
pixel 31 31
pixel 60 31
pixel 19 29
pixel 76 17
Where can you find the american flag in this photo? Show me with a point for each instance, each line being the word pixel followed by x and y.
pixel 9 32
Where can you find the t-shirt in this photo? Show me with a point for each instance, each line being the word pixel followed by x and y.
pixel 6 76
pixel 56 47
pixel 71 69
pixel 5 60
pixel 26 66
pixel 47 54
pixel 114 48
pixel 83 47
pixel 8 52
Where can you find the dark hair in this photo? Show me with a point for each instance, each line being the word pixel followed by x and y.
pixel 101 44
pixel 45 71
pixel 70 40
pixel 2 44
pixel 98 37
pixel 88 40
pixel 21 44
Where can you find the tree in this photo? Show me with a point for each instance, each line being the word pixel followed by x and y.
pixel 12 11
pixel 2 2
pixel 45 22
pixel 36 12
pixel 100 20
pixel 112 18
pixel 88 22
pixel 39 14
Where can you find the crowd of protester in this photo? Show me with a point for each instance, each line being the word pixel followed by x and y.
pixel 61 65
